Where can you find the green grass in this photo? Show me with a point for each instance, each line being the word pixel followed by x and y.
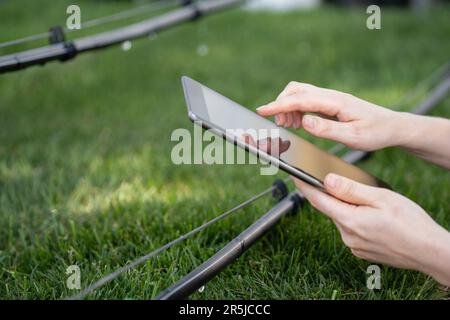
pixel 85 171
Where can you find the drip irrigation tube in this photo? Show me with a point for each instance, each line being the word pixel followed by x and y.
pixel 126 14
pixel 67 50
pixel 278 190
pixel 233 250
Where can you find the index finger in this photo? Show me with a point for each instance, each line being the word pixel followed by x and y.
pixel 305 102
pixel 294 87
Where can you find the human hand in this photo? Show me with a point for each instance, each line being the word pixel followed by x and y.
pixel 380 225
pixel 360 124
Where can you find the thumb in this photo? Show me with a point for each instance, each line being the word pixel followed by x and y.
pixel 351 191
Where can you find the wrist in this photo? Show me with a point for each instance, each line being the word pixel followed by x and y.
pixel 409 131
pixel 436 259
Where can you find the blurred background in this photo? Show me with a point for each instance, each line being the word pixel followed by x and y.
pixel 85 170
pixel 291 4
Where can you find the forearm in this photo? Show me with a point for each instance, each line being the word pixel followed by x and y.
pixel 426 137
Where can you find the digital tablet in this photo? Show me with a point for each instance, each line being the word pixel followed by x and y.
pixel 265 139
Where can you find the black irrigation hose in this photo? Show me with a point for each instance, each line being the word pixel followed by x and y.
pixel 170 244
pixel 64 51
pixel 233 250
pixel 437 95
pixel 125 14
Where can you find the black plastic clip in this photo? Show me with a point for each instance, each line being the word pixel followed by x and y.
pixel 197 12
pixel 280 191
pixel 71 51
pixel 298 202
pixel 56 35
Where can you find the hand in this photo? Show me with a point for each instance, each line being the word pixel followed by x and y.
pixel 360 124
pixel 382 226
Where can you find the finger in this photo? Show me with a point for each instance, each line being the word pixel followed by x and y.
pixel 335 209
pixel 338 131
pixel 305 102
pixel 265 146
pixel 294 87
pixel 291 88
pixel 282 119
pixel 354 192
pixel 297 119
pixel 248 139
pixel 284 146
pixel 289 120
pixel 274 147
pixel 277 119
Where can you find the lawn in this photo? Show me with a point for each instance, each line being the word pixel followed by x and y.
pixel 85 170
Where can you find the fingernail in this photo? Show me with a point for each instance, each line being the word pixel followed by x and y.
pixel 309 122
pixel 260 108
pixel 333 181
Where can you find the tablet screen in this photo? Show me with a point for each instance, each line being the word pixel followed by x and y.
pixel 250 128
